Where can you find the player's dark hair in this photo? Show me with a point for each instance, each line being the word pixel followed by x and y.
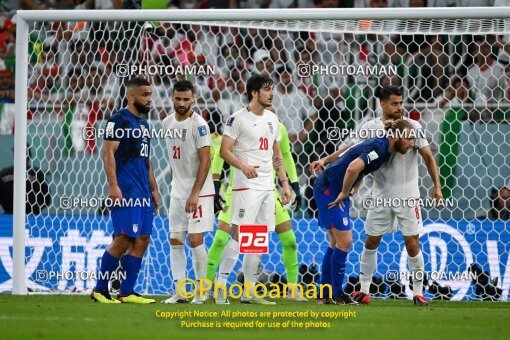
pixel 183 85
pixel 136 82
pixel 256 83
pixel 383 93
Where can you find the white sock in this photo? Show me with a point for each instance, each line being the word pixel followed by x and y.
pixel 251 270
pixel 228 260
pixel 416 267
pixel 367 268
pixel 199 260
pixel 178 263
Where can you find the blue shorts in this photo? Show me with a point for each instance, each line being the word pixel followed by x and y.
pixel 132 221
pixel 334 217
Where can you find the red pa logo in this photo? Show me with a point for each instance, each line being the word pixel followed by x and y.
pixel 253 239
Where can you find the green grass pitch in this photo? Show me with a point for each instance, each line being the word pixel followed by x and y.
pixel 76 317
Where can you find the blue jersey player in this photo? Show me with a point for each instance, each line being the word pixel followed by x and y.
pixel 332 190
pixel 133 188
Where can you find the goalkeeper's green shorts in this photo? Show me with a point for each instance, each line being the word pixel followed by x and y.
pixel 281 213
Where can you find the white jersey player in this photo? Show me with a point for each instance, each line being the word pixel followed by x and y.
pixel 398 178
pixel 192 193
pixel 250 144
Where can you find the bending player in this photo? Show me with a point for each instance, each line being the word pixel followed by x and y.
pixel 225 252
pixel 130 176
pixel 192 193
pixel 249 144
pixel 398 178
pixel 338 181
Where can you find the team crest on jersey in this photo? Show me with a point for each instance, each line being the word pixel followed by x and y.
pixel 135 228
pixel 241 213
pixel 346 221
pixel 270 127
pixel 230 121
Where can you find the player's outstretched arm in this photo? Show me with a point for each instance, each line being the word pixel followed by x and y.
pixel 318 165
pixel 110 168
pixel 154 187
pixel 352 172
pixel 204 157
pixel 433 171
pixel 227 144
pixel 282 175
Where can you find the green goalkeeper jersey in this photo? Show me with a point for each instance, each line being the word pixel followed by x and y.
pixel 288 160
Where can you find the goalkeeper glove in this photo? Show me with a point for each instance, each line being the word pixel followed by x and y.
pixel 218 200
pixel 299 198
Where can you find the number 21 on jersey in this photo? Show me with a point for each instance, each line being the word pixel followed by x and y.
pixel 177 152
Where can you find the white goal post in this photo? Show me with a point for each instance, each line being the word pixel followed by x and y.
pixel 311 18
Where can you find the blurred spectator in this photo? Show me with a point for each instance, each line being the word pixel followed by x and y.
pixel 38 192
pixel 293 107
pixel 34 4
pixel 486 76
pixel 104 4
pixel 6 86
pixel 425 54
pixel 231 94
pixel 456 94
pixel 263 62
pixel 164 42
pixel 46 88
pixel 162 90
pixel 500 204
pixel 458 97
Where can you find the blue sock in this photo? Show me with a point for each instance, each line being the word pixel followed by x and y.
pixel 338 270
pixel 326 271
pixel 131 266
pixel 109 264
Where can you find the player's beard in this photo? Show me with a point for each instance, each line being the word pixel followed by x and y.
pixel 141 108
pixel 182 110
pixel 266 104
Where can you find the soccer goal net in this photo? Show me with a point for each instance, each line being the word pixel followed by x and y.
pixel 452 65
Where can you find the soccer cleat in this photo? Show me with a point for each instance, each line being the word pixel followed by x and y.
pixel 361 298
pixel 135 298
pixel 297 297
pixel 221 298
pixel 344 299
pixel 419 300
pixel 175 298
pixel 197 300
pixel 256 301
pixel 102 297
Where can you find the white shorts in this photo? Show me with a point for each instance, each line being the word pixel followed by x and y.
pixel 200 221
pixel 385 220
pixel 253 207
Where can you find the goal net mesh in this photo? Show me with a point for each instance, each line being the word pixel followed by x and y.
pixel 455 82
